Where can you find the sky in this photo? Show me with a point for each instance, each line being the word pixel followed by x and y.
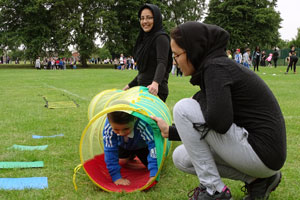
pixel 289 12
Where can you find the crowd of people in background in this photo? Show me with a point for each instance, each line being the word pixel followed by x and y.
pixel 124 62
pixel 258 58
pixel 244 57
pixel 55 63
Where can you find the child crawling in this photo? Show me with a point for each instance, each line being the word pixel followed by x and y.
pixel 126 136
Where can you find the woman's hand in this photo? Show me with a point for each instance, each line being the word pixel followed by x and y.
pixel 126 87
pixel 153 88
pixel 122 181
pixel 163 126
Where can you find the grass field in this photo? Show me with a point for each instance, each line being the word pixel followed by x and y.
pixel 22 114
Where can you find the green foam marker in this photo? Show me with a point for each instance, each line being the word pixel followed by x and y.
pixel 10 165
pixel 28 148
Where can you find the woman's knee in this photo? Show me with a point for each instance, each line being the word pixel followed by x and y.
pixel 181 105
pixel 188 108
pixel 181 159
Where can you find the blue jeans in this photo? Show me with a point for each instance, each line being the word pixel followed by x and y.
pixel 246 64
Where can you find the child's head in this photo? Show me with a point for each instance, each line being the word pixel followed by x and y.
pixel 122 123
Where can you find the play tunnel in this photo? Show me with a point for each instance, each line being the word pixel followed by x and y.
pixel 136 101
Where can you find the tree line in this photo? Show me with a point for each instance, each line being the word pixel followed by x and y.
pixel 45 27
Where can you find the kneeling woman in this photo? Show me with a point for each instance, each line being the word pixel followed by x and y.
pixel 233 127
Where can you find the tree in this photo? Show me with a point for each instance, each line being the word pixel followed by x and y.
pixel 121 24
pixel 102 53
pixel 283 44
pixel 85 21
pixel 183 11
pixel 250 23
pixel 13 17
pixel 296 41
pixel 49 27
pixel 34 24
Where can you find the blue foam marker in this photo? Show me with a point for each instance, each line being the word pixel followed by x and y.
pixel 49 136
pixel 9 165
pixel 23 183
pixel 28 148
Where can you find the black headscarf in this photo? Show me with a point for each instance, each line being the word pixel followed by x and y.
pixel 145 39
pixel 202 42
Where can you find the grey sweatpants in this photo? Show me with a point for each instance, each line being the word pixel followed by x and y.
pixel 226 155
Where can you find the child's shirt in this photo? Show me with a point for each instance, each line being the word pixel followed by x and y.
pixel 246 58
pixel 141 137
pixel 238 58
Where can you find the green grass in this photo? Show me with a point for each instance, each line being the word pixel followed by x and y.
pixel 22 114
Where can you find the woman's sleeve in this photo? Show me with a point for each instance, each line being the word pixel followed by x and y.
pixel 111 153
pixel 162 56
pixel 173 133
pixel 133 82
pixel 219 110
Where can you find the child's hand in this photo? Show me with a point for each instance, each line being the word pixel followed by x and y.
pixel 150 180
pixel 163 126
pixel 122 181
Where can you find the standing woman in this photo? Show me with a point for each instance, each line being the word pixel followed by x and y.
pixel 225 129
pixel 256 57
pixel 152 53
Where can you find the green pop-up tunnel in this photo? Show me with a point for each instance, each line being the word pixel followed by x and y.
pixel 136 101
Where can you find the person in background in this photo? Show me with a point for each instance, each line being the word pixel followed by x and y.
pixel 238 56
pixel 225 129
pixel 74 64
pixel 53 64
pixel 49 64
pixel 173 68
pixel 256 57
pixel 275 57
pixel 121 60
pixel 178 71
pixel 269 59
pixel 38 63
pixel 133 63
pixel 228 52
pixel 246 58
pixel 116 63
pixel 263 59
pixel 152 53
pixel 292 60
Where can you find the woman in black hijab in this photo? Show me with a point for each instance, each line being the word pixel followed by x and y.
pixel 152 53
pixel 226 130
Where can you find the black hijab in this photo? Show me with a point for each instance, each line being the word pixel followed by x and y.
pixel 145 39
pixel 201 43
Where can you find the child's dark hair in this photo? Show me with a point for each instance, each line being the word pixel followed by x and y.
pixel 120 117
